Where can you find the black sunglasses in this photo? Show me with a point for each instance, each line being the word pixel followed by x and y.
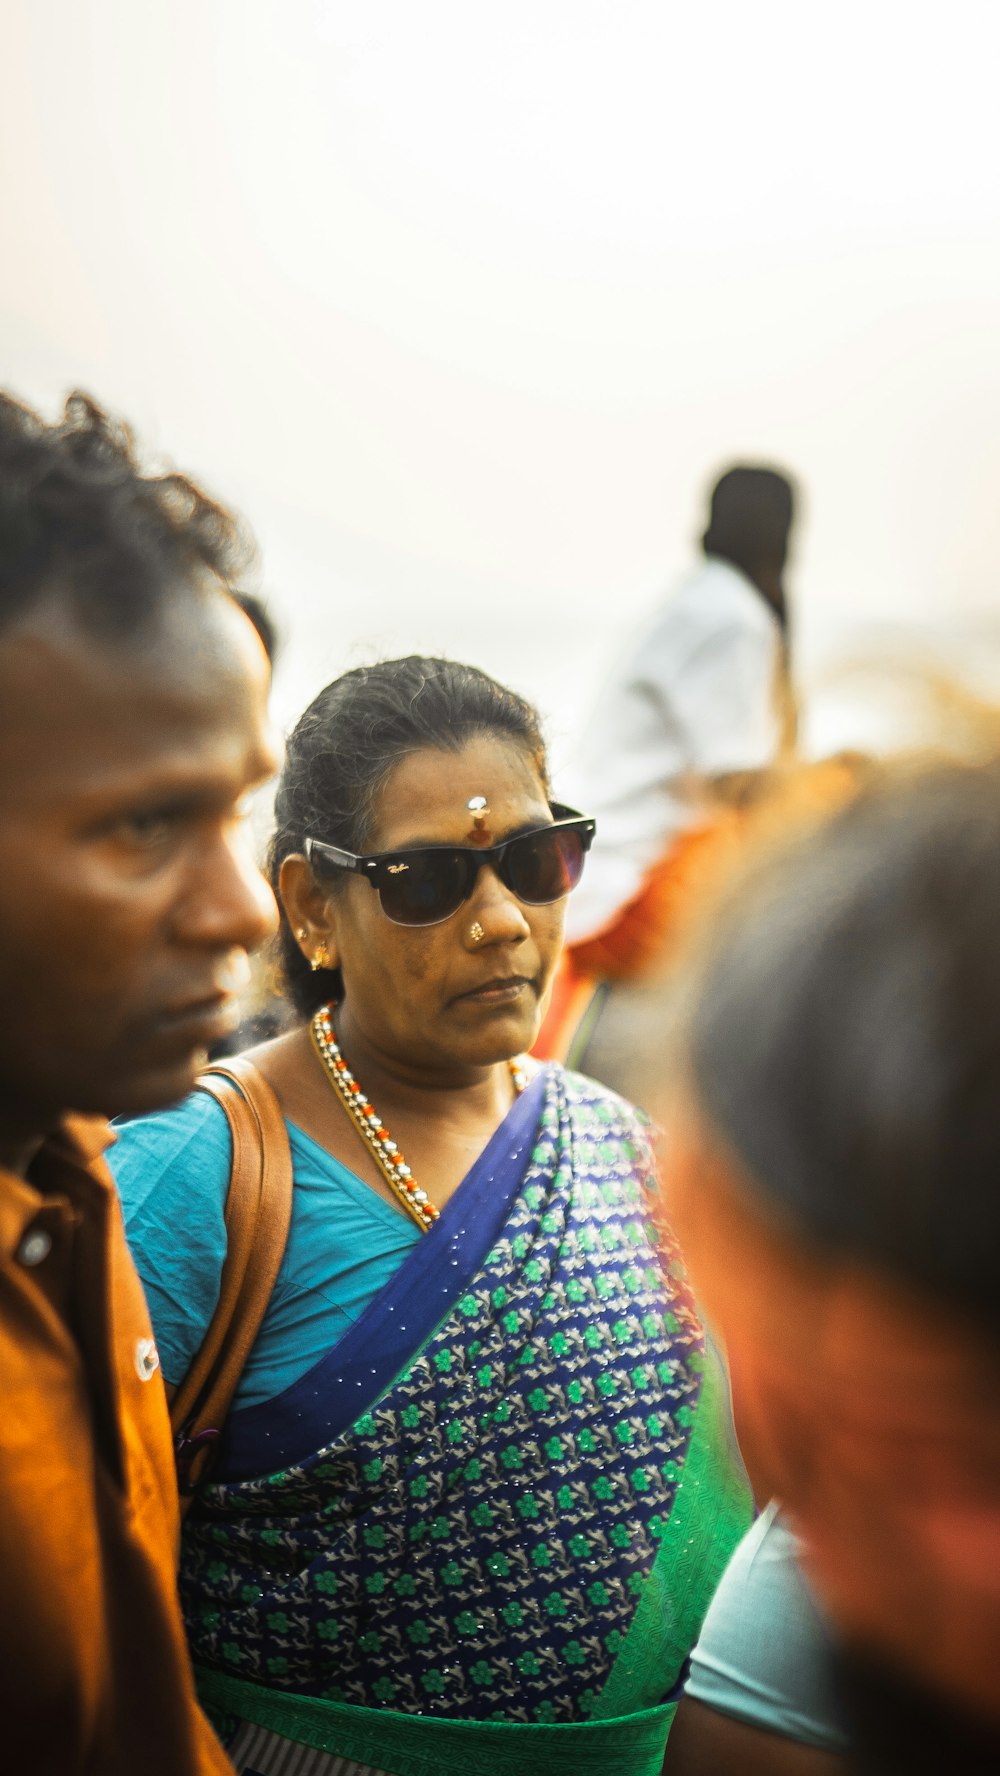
pixel 426 885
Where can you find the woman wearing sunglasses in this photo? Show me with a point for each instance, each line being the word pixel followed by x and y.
pixel 474 1495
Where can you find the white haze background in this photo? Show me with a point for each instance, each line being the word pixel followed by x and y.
pixel 463 304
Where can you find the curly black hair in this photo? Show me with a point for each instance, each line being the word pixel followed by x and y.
pixel 345 745
pixel 78 512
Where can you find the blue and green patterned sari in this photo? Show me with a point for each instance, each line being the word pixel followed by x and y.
pixel 483 1531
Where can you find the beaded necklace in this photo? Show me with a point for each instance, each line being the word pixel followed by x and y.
pixel 369 1124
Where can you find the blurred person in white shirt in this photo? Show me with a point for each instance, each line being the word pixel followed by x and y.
pixel 703 693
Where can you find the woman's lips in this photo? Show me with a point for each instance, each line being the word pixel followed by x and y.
pixel 498 992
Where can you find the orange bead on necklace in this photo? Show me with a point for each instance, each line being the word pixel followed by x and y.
pixel 369 1124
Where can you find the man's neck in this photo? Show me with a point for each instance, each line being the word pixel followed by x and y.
pixel 18 1144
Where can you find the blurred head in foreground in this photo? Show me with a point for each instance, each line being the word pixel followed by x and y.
pixel 132 724
pixel 835 1179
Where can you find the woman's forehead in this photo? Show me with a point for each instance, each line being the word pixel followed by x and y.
pixel 425 799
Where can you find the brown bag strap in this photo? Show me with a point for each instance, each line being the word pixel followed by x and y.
pixel 258 1211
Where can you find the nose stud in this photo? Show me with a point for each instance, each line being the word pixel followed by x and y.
pixel 476 932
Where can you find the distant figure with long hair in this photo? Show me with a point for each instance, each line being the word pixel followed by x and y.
pixel 702 694
pixel 698 696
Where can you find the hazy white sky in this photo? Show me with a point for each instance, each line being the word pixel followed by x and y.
pixel 465 304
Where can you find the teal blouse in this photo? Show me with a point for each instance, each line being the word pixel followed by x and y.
pixel 344 1243
pixel 764 1651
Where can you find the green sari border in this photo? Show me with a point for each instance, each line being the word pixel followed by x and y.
pixel 670 1611
pixel 430 1745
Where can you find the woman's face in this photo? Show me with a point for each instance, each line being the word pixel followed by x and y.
pixel 441 997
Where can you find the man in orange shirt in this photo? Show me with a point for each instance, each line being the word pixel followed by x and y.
pixel 132 726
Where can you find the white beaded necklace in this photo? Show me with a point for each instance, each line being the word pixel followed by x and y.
pixel 369 1124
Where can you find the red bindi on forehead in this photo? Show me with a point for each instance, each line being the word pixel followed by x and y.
pixel 425 799
pixel 479 833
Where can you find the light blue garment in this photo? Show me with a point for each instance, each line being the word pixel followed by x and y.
pixel 344 1243
pixel 763 1653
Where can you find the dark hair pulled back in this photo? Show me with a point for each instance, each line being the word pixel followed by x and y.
pixel 343 749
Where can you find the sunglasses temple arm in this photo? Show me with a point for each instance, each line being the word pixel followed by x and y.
pixel 319 851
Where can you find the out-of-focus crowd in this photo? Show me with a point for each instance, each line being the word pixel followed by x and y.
pixel 392 1394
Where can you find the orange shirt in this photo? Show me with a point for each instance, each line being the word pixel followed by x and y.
pixel 94 1672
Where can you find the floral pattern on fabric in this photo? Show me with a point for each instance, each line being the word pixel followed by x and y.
pixel 477 1544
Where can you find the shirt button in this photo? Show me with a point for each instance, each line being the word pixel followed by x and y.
pixel 35 1246
pixel 147 1359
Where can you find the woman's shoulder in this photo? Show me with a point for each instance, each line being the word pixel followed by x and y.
pixel 591 1101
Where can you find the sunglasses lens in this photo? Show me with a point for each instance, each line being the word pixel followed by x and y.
pixel 543 866
pixel 423 889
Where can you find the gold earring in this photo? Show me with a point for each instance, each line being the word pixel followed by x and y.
pixel 321 958
pixel 476 932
